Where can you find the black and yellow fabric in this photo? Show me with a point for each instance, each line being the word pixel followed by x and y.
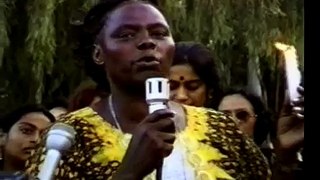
pixel 214 148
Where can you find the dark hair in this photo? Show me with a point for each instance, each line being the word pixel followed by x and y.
pixel 263 123
pixel 92 25
pixel 13 117
pixel 200 58
pixel 83 96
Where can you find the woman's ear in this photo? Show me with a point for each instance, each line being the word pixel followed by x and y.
pixel 210 94
pixel 209 100
pixel 97 55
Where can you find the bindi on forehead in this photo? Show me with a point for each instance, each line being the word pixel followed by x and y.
pixel 181 78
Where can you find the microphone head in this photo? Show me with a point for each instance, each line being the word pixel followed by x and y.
pixel 157 89
pixel 60 137
pixel 157 93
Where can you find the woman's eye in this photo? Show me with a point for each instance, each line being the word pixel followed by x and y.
pixel 159 34
pixel 173 85
pixel 193 86
pixel 26 131
pixel 126 35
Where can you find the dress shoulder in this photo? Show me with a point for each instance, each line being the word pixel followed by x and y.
pixel 242 157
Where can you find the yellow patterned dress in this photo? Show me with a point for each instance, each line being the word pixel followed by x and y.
pixel 211 146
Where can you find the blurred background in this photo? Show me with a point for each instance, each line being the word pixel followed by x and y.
pixel 37 40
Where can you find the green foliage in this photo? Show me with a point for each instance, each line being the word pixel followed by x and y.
pixel 37 39
pixel 38 63
pixel 237 31
pixel 4 39
pixel 241 30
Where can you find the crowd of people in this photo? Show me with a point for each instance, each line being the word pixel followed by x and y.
pixel 206 132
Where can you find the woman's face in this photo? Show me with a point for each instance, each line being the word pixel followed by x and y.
pixel 136 44
pixel 241 110
pixel 186 86
pixel 24 134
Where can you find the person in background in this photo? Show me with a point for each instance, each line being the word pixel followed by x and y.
pixel 286 135
pixel 85 95
pixel 249 112
pixel 21 130
pixel 57 107
pixel 251 116
pixel 193 75
pixel 124 43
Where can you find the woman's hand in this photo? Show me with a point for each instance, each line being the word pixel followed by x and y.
pixel 152 141
pixel 290 128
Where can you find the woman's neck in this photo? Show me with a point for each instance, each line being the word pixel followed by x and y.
pixel 10 165
pixel 129 108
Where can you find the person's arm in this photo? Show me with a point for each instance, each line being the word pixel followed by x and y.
pixel 289 139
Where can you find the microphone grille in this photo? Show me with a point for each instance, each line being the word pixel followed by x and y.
pixel 64 127
pixel 157 89
pixel 61 137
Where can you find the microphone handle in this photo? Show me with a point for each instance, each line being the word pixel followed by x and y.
pixel 50 164
pixel 159 171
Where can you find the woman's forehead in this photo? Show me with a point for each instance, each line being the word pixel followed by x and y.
pixel 135 14
pixel 235 101
pixel 36 120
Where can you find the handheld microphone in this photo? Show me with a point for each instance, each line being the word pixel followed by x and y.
pixel 157 97
pixel 59 139
pixel 157 93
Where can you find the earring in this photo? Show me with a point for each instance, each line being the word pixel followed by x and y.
pixel 98 61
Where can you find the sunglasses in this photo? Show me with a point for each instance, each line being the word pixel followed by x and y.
pixel 242 115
